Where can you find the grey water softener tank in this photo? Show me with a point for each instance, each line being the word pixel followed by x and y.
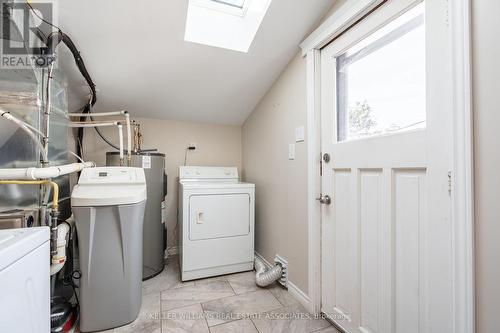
pixel 154 244
pixel 108 205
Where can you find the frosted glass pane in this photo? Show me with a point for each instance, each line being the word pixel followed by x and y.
pixel 381 80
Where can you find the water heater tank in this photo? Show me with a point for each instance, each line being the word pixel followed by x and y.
pixel 154 243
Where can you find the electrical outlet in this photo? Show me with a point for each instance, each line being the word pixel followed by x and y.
pixel 284 275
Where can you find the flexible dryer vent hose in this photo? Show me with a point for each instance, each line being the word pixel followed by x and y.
pixel 265 277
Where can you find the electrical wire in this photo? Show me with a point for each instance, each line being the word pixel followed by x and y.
pixel 41 18
pixel 69 280
pixel 105 139
pixel 188 149
pixel 52 41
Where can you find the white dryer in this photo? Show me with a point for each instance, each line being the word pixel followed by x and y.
pixel 216 222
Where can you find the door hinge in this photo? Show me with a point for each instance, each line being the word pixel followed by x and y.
pixel 324 199
pixel 449 182
pixel 321 164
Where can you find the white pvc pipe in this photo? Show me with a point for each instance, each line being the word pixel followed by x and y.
pixel 120 137
pixel 129 137
pixel 98 114
pixel 43 173
pixel 59 259
pixel 33 128
pixel 93 124
pixel 76 156
pixel 26 128
pixel 104 124
pixel 110 114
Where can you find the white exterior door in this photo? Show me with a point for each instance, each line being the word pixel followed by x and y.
pixel 385 115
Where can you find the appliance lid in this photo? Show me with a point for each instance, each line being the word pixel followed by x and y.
pixel 109 186
pixel 112 175
pixel 211 174
pixel 107 195
pixel 16 243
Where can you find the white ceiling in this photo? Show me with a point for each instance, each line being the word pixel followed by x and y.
pixel 137 56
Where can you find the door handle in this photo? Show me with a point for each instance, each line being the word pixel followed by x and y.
pixel 324 199
pixel 200 218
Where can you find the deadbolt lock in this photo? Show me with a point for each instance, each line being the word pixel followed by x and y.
pixel 326 157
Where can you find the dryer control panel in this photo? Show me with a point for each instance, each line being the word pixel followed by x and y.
pixel 208 173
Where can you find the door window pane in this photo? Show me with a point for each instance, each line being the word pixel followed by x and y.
pixel 381 80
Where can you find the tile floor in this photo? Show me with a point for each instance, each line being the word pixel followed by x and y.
pixel 225 304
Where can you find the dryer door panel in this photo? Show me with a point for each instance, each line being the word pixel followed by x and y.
pixel 219 215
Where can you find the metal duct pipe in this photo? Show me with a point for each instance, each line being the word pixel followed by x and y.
pixel 54 214
pixel 265 277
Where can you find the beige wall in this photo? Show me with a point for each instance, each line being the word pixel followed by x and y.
pixel 281 184
pixel 217 145
pixel 486 82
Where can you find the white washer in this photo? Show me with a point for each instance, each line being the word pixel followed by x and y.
pixel 216 222
pixel 25 280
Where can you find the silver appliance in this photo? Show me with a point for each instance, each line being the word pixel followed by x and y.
pixel 18 218
pixel 21 93
pixel 154 243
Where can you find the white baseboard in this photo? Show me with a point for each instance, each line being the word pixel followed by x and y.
pixel 295 291
pixel 300 296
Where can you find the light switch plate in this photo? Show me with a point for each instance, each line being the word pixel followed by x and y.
pixel 291 151
pixel 300 134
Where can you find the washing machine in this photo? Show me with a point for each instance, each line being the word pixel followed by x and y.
pixel 216 222
pixel 25 280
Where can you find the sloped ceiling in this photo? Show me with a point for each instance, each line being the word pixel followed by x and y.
pixel 137 56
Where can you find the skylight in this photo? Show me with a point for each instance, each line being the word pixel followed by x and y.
pixel 229 24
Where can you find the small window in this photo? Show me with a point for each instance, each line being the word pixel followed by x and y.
pixel 381 80
pixel 234 3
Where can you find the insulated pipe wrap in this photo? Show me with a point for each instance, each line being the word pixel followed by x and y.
pixel 264 277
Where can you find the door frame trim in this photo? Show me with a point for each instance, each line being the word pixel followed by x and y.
pixel 462 181
pixel 313 62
